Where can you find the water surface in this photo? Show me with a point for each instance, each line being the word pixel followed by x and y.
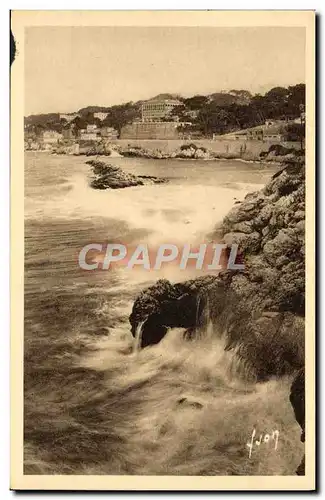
pixel 92 403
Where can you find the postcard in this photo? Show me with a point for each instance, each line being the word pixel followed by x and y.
pixel 162 250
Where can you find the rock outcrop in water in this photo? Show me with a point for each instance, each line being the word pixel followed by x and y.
pixel 279 153
pixel 108 176
pixel 261 309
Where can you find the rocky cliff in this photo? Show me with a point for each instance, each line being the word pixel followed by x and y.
pixel 269 227
pixel 260 310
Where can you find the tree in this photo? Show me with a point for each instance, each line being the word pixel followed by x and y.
pixel 179 111
pixel 79 123
pixel 213 119
pixel 276 103
pixel 295 132
pixel 243 96
pixel 196 102
pixel 219 112
pixel 296 99
pixel 120 115
pixel 89 118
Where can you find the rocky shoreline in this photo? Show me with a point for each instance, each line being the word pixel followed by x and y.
pixel 185 152
pixel 260 310
pixel 277 153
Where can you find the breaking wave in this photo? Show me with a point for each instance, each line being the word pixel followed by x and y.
pixel 94 402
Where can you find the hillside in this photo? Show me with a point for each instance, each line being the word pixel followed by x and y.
pixel 42 119
pixel 227 99
pixel 216 113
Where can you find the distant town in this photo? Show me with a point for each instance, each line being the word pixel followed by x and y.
pixel 275 118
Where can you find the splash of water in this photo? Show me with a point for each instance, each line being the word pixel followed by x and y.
pixel 138 336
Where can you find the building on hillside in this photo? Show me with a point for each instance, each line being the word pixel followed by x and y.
pixel 51 137
pixel 89 135
pixel 266 133
pixel 192 114
pixel 152 130
pixel 255 133
pixel 249 134
pixel 68 116
pixel 273 134
pixel 157 110
pixel 278 123
pixel 109 133
pixel 269 122
pixel 301 119
pixel 91 128
pixel 100 115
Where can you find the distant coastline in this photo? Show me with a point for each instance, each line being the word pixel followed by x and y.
pixel 207 150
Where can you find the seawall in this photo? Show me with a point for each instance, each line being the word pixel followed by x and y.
pixel 233 148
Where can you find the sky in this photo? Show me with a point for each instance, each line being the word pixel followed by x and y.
pixel 67 68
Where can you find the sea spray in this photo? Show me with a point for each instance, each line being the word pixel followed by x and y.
pixel 209 329
pixel 198 312
pixel 138 337
pixel 128 414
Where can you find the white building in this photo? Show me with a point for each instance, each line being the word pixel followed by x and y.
pixel 89 135
pixel 51 137
pixel 100 115
pixel 301 119
pixel 68 116
pixel 158 109
pixel 91 128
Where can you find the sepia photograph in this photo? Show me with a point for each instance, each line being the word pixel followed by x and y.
pixel 162 202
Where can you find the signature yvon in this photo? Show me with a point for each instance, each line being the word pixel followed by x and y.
pixel 264 439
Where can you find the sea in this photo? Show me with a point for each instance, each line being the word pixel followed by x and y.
pixel 94 403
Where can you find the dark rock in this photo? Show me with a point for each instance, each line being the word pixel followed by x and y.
pixel 297 400
pixel 243 227
pixel 163 306
pixel 250 242
pixel 150 179
pixel 276 218
pixel 188 402
pixel 106 176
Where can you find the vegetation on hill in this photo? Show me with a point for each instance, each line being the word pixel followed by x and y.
pixel 222 113
pixel 217 113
